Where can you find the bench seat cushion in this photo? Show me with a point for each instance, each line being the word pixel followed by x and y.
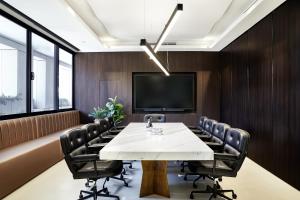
pixel 30 145
pixel 21 163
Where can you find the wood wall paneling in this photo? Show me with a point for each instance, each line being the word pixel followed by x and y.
pixel 102 75
pixel 260 90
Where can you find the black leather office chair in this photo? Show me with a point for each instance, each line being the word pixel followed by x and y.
pixel 97 136
pixel 225 163
pixel 199 129
pixel 155 117
pixel 84 165
pixel 216 143
pixel 93 141
pixel 205 135
pixel 113 128
pixel 208 129
pixel 217 140
pixel 110 132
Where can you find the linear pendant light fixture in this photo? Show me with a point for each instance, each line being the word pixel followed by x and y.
pixel 176 13
pixel 152 52
pixel 148 49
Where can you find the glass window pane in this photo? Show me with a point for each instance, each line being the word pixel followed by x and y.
pixel 65 79
pixel 42 85
pixel 12 68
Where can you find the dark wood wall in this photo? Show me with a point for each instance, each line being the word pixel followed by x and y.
pixel 102 75
pixel 260 90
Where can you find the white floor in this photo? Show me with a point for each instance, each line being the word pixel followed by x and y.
pixel 252 183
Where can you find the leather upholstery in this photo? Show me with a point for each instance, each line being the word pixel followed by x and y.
pixel 93 138
pixel 209 124
pixel 29 146
pixel 202 119
pixel 73 144
pixel 155 117
pixel 219 132
pixel 17 131
pixel 92 131
pixel 236 146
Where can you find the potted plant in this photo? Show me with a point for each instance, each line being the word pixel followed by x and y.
pixel 112 109
pixel 98 114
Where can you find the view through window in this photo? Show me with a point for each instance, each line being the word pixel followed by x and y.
pixel 12 68
pixel 65 79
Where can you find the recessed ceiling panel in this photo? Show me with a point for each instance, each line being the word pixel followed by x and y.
pixel 133 19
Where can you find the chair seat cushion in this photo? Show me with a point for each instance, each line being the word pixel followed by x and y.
pixel 105 168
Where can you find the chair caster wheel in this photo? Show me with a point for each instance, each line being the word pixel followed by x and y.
pixel 220 179
pixel 130 167
pixel 194 185
pixel 87 184
pixel 191 196
pixel 234 196
pixel 126 184
pixel 185 178
pixel 80 196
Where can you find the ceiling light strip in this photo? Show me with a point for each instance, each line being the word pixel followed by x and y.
pixel 176 13
pixel 148 49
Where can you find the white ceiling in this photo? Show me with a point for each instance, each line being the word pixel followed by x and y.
pixel 118 25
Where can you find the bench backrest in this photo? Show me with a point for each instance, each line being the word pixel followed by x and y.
pixel 17 131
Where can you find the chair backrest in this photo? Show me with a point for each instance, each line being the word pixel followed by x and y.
pixel 209 124
pixel 201 123
pixel 72 144
pixel 92 131
pixel 110 121
pixel 219 132
pixel 236 143
pixel 155 117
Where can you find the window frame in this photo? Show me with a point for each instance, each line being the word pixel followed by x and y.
pixel 57 46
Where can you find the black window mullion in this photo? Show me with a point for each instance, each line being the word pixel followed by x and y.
pixel 28 70
pixel 56 77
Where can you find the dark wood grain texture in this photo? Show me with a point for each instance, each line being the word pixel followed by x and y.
pixel 260 90
pixel 102 75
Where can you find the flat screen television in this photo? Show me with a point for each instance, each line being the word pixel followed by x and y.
pixel 155 92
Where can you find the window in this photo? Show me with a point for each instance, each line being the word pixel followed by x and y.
pixel 36 75
pixel 65 79
pixel 12 68
pixel 42 86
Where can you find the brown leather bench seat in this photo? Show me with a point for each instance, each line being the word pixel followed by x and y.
pixel 29 146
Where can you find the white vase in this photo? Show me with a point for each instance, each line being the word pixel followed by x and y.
pixel 97 121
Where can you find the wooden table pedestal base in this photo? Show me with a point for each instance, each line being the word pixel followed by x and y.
pixel 155 180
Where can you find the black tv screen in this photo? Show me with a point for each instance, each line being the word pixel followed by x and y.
pixel 155 92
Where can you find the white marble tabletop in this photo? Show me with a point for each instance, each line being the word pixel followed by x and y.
pixel 136 142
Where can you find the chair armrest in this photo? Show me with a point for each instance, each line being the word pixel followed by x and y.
pixel 214 146
pixel 85 158
pixel 225 157
pixel 96 147
pixel 120 127
pixel 114 131
pixel 192 127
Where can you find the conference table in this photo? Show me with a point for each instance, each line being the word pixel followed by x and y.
pixel 154 147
